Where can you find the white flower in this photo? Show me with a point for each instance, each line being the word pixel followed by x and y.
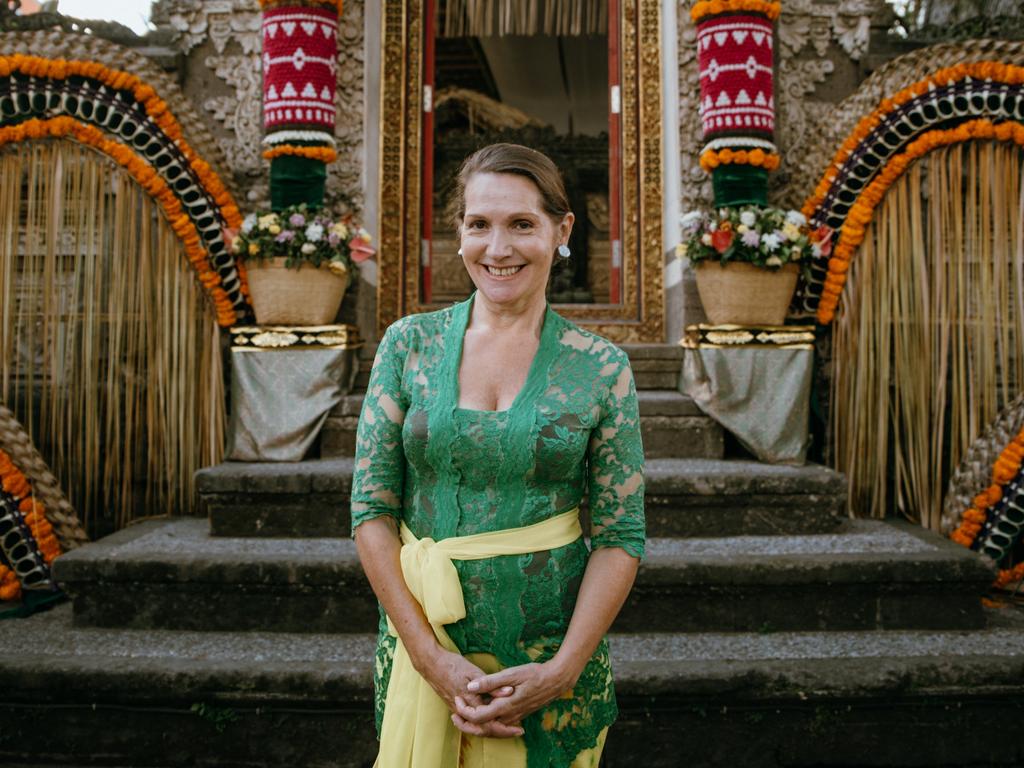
pixel 771 241
pixel 308 248
pixel 706 239
pixel 690 221
pixel 742 229
pixel 248 223
pixel 236 245
pixel 267 221
pixel 773 261
pixel 748 218
pixel 796 218
pixel 314 232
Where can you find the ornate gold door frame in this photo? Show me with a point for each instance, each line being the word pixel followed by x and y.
pixel 640 316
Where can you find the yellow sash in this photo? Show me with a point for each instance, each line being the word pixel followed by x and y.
pixel 417 731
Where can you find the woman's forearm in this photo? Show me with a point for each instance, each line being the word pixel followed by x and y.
pixel 379 549
pixel 606 584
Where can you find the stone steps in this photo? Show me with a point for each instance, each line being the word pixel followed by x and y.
pixel 684 497
pixel 170 574
pixel 671 425
pixel 265 699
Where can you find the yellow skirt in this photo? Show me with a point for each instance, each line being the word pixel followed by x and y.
pixel 481 752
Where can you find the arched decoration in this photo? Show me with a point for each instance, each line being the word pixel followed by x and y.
pixel 980 100
pixel 126 107
pixel 988 493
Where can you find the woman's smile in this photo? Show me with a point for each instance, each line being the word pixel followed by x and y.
pixel 503 272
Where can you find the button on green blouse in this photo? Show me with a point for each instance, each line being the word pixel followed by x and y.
pixel 572 431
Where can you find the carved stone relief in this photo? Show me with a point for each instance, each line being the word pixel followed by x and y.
pixel 221 41
pixel 815 38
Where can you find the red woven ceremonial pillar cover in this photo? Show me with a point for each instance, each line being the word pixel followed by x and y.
pixel 735 57
pixel 299 68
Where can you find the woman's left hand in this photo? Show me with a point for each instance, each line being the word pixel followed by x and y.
pixel 533 686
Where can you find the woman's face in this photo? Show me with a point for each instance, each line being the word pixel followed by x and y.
pixel 508 241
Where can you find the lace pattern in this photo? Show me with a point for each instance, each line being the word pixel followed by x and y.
pixel 448 471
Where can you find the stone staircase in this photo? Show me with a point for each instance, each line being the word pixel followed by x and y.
pixel 764 628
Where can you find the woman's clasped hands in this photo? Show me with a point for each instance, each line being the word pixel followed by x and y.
pixel 490 704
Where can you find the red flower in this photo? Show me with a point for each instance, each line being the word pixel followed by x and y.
pixel 823 235
pixel 721 240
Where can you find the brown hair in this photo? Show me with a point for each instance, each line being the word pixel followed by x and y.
pixel 517 159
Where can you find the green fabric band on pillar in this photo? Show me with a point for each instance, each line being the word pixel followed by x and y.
pixel 737 185
pixel 295 180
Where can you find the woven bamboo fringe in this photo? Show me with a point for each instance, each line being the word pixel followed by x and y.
pixel 110 347
pixel 927 344
pixel 491 18
pixel 45 488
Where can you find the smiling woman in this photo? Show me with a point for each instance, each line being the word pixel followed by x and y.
pixel 483 426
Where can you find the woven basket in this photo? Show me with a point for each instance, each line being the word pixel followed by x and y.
pixel 305 296
pixel 743 294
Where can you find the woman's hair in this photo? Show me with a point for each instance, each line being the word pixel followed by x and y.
pixel 517 159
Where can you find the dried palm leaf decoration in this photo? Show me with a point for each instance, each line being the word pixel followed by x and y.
pixel 109 345
pixel 928 342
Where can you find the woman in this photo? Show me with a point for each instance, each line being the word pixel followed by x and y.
pixel 483 426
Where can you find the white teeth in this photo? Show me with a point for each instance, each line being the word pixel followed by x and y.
pixel 505 272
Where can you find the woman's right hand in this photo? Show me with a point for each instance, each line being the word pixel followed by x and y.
pixel 449 674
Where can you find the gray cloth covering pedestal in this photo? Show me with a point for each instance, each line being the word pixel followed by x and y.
pixel 759 391
pixel 281 397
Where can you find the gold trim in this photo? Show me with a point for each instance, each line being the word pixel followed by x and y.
pixel 269 337
pixel 704 336
pixel 640 317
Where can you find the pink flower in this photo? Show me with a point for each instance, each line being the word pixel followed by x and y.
pixel 360 248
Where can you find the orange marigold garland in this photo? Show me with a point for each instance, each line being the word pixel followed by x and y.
pixel 981 70
pixel 143 173
pixel 1006 467
pixel 716 7
pixel 711 159
pixel 15 485
pixel 154 106
pixel 322 154
pixel 157 111
pixel 854 228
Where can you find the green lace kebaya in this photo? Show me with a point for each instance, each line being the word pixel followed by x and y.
pixel 449 471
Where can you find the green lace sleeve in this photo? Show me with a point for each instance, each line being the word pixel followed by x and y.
pixel 379 471
pixel 616 468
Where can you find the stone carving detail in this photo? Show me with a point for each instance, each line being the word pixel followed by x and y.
pixel 807 32
pixel 224 35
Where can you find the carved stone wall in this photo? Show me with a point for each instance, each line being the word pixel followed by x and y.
pixel 820 45
pixel 220 41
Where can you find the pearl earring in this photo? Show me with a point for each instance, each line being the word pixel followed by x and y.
pixel 563 251
pixel 460 252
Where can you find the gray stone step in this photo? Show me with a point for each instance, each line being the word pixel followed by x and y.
pixel 655 366
pixel 684 497
pixel 171 574
pixel 672 426
pixel 263 700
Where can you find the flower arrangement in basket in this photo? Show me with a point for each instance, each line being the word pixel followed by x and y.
pixel 764 237
pixel 276 245
pixel 748 259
